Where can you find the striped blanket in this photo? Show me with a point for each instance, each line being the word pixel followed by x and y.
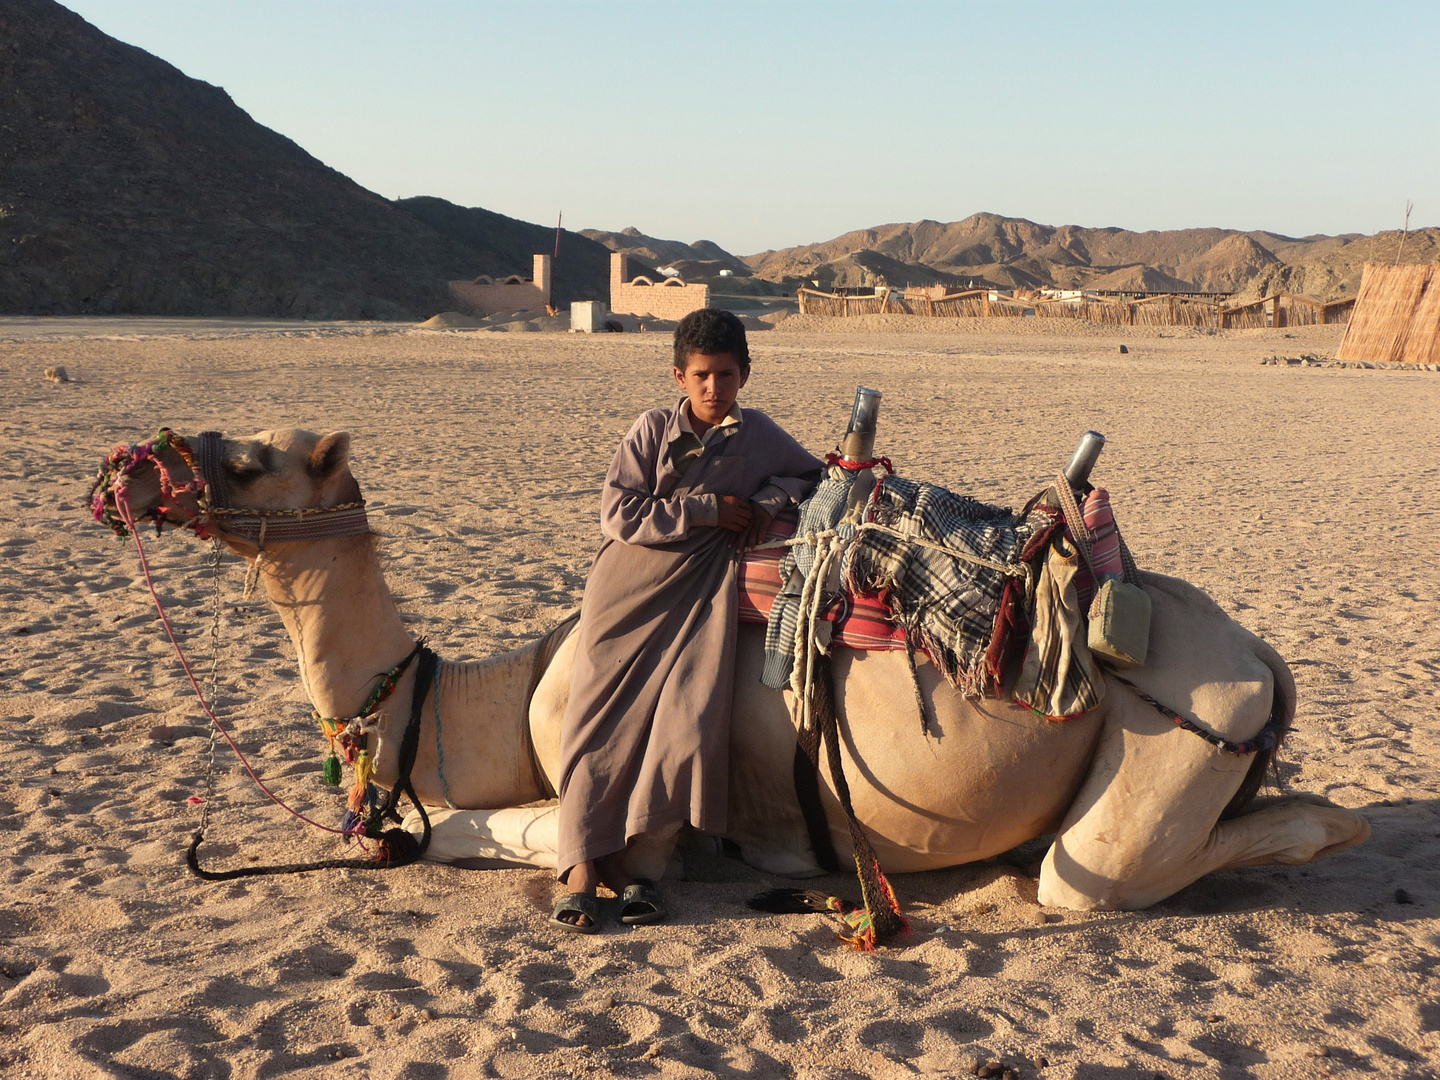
pixel 859 622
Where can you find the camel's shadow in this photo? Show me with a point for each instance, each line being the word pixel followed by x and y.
pixel 1401 859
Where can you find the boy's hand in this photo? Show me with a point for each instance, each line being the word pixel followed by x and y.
pixel 734 513
pixel 754 533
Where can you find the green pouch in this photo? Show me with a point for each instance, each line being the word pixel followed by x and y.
pixel 1120 624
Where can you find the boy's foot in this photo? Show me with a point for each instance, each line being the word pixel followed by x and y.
pixel 577 913
pixel 641 904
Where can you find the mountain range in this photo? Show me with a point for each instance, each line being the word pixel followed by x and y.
pixel 128 187
pixel 987 249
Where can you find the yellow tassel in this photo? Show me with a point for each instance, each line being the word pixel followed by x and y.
pixel 364 770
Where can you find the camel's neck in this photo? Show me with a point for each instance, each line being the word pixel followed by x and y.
pixel 332 598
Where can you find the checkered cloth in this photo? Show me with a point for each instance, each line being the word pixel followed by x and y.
pixel 958 611
pixel 819 513
pixel 951 605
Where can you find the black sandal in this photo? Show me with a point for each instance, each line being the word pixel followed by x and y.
pixel 576 903
pixel 641 904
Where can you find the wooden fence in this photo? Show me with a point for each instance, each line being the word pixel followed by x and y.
pixel 1282 309
pixel 973 303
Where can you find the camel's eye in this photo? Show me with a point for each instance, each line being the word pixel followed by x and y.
pixel 244 471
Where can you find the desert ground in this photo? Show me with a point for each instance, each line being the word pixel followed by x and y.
pixel 1303 499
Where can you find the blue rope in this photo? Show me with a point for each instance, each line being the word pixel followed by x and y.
pixel 439 746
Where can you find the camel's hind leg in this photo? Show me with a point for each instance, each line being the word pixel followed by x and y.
pixel 1146 822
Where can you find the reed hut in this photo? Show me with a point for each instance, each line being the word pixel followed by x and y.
pixel 1396 316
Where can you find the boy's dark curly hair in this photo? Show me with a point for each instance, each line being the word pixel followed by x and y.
pixel 710 331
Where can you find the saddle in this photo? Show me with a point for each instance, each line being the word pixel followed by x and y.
pixel 999 602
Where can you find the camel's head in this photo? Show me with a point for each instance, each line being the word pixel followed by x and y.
pixel 285 484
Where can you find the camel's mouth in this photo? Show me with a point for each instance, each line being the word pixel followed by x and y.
pixel 157 480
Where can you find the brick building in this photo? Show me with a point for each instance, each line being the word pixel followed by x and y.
pixel 668 298
pixel 486 296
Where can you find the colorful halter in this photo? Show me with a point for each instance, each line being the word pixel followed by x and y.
pixel 212 491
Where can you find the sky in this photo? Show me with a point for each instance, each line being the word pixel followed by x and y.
pixel 766 125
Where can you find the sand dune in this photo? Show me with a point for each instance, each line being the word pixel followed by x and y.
pixel 1303 499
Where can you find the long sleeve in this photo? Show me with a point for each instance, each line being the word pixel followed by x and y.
pixel 796 469
pixel 630 512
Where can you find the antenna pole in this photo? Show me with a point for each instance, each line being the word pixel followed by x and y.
pixel 1401 249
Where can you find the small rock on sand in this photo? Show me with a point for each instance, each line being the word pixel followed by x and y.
pixel 57 374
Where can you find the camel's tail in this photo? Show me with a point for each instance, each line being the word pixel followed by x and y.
pixel 1282 717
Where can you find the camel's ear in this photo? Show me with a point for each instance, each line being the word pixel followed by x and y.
pixel 329 454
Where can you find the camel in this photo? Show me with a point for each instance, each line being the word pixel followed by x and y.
pixel 1139 807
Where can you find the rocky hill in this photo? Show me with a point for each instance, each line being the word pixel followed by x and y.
pixel 1016 253
pixel 128 187
pixel 699 261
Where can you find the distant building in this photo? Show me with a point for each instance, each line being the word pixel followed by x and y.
pixel 668 298
pixel 486 296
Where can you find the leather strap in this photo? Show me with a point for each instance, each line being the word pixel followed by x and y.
pixel 210 451
pixel 409 746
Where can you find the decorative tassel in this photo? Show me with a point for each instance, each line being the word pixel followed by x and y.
pixel 348 824
pixel 330 769
pixel 364 769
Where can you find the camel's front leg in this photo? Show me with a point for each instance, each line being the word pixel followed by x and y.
pixel 1284 833
pixel 1145 826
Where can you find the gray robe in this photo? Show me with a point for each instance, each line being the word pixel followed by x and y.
pixel 645 739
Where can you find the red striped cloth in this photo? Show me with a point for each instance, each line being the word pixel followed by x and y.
pixel 1104 537
pixel 862 622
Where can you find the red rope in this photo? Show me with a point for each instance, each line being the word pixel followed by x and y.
pixel 846 463
pixel 122 503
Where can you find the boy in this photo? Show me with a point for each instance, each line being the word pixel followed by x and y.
pixel 645 739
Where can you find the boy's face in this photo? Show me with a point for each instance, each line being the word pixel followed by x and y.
pixel 712 382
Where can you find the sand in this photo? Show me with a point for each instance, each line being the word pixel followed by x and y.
pixel 1303 499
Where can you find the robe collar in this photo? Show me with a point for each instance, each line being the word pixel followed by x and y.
pixel 677 426
pixel 673 422
pixel 684 426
